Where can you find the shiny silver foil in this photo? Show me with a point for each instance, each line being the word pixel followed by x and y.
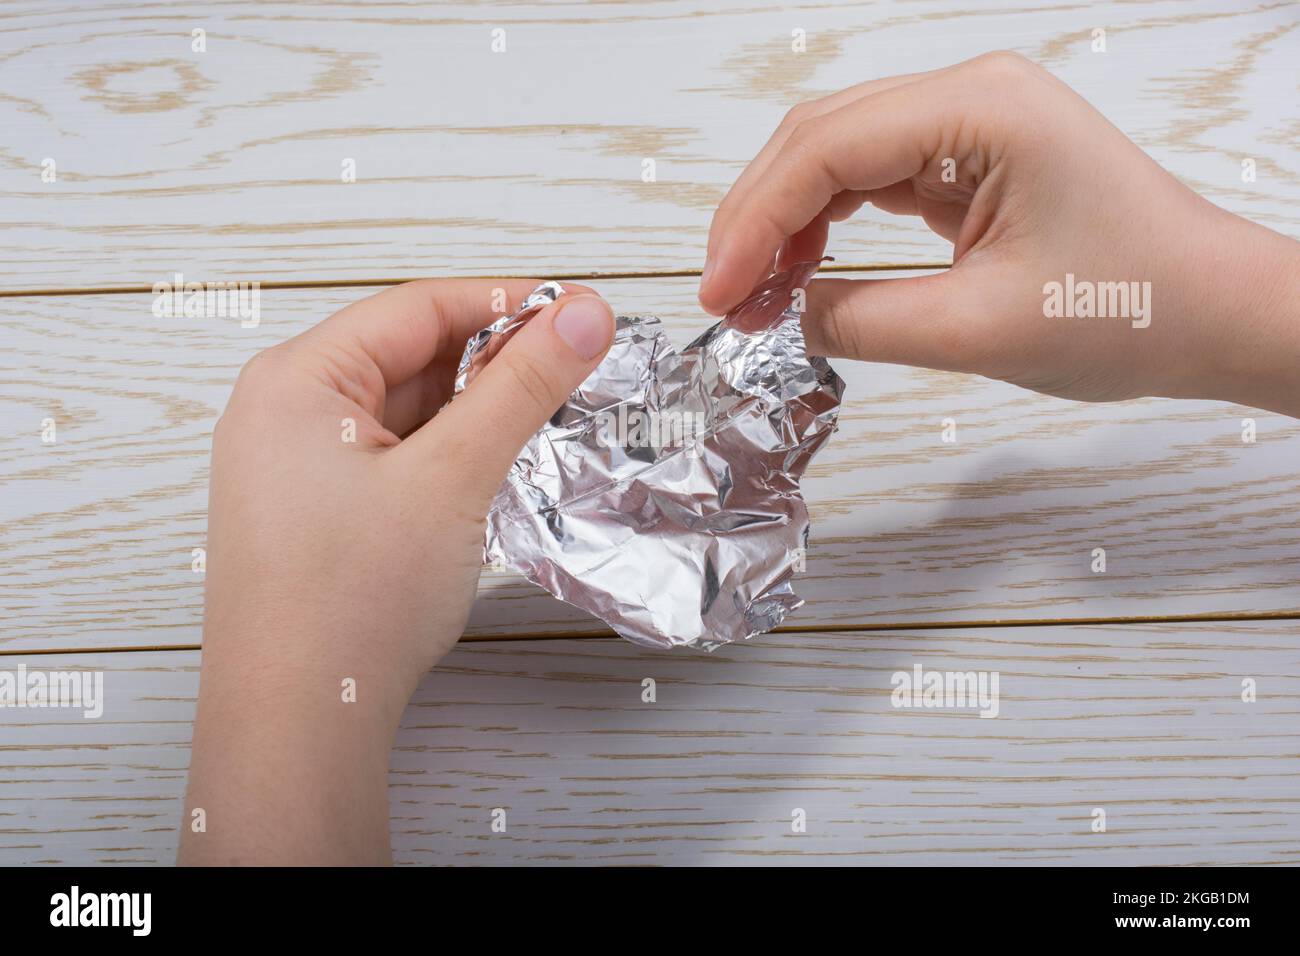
pixel 663 496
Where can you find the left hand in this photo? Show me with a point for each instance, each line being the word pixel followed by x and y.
pixel 340 551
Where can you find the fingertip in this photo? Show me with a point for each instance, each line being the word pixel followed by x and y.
pixel 717 287
pixel 585 323
pixel 710 305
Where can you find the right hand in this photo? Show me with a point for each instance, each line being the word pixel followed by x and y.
pixel 1029 183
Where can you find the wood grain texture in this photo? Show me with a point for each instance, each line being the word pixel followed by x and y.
pixel 96 531
pixel 227 163
pixel 1146 723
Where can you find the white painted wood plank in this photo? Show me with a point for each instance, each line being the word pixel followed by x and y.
pixel 96 531
pixel 228 163
pixel 1145 722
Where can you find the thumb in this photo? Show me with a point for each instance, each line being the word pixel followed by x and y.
pixel 931 321
pixel 514 395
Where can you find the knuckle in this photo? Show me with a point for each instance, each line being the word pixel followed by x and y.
pixel 259 384
pixel 262 369
pixel 1005 64
pixel 805 149
pixel 768 223
pixel 840 328
pixel 221 429
pixel 805 135
pixel 431 292
pixel 532 384
pixel 797 114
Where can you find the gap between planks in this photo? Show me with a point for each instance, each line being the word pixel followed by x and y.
pixel 1211 618
pixel 373 283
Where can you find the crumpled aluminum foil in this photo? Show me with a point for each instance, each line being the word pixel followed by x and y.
pixel 663 496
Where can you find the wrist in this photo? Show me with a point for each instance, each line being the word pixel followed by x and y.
pixel 293 641
pixel 1242 311
pixel 291 752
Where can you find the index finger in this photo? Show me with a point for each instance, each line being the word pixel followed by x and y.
pixel 872 142
pixel 800 114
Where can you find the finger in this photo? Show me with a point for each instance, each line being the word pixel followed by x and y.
pixel 516 393
pixel 868 144
pixel 807 244
pixel 845 204
pixel 899 199
pixel 409 404
pixel 385 339
pixel 801 113
pixel 412 403
pixel 929 321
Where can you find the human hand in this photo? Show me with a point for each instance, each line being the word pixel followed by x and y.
pixel 1030 184
pixel 340 551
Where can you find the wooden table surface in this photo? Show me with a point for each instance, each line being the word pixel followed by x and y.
pixel 1120 691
